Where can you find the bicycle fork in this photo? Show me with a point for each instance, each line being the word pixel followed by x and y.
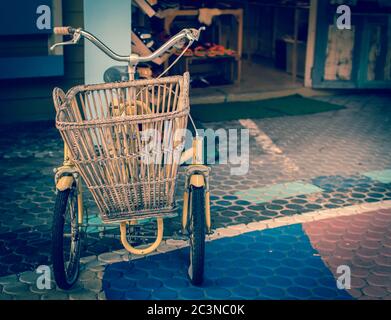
pixel 65 177
pixel 197 175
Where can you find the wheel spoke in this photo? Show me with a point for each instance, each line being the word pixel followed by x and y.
pixel 71 247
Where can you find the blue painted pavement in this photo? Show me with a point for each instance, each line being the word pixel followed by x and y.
pixel 276 263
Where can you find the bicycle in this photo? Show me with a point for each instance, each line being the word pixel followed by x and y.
pixel 103 128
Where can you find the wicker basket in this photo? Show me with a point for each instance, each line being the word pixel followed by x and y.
pixel 110 130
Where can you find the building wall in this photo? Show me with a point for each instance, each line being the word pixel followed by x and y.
pixel 357 57
pixel 31 99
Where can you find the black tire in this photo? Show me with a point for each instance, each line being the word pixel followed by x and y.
pixel 66 261
pixel 197 235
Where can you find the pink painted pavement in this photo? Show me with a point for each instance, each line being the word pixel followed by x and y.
pixel 362 242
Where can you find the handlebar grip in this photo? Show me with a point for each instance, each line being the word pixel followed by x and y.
pixel 63 30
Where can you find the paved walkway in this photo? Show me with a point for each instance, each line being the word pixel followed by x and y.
pixel 274 259
pixel 335 162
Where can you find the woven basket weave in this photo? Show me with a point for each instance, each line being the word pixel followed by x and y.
pixel 130 174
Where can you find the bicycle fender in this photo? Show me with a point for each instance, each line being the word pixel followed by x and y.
pixel 197 180
pixel 64 183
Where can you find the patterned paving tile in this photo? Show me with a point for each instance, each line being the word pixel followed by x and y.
pixel 384 176
pixel 95 224
pixel 277 191
pixel 271 264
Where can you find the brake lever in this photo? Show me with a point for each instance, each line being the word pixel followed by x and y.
pixel 194 34
pixel 75 39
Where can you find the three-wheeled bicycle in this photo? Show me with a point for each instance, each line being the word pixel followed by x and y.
pixel 125 140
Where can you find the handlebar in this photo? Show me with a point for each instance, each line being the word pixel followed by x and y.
pixel 63 30
pixel 190 34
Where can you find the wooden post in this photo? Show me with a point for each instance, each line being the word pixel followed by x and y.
pixel 57 19
pixel 240 44
pixel 309 59
pixel 294 51
pixel 275 24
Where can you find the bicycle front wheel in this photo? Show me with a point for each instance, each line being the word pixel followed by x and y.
pixel 197 235
pixel 66 239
